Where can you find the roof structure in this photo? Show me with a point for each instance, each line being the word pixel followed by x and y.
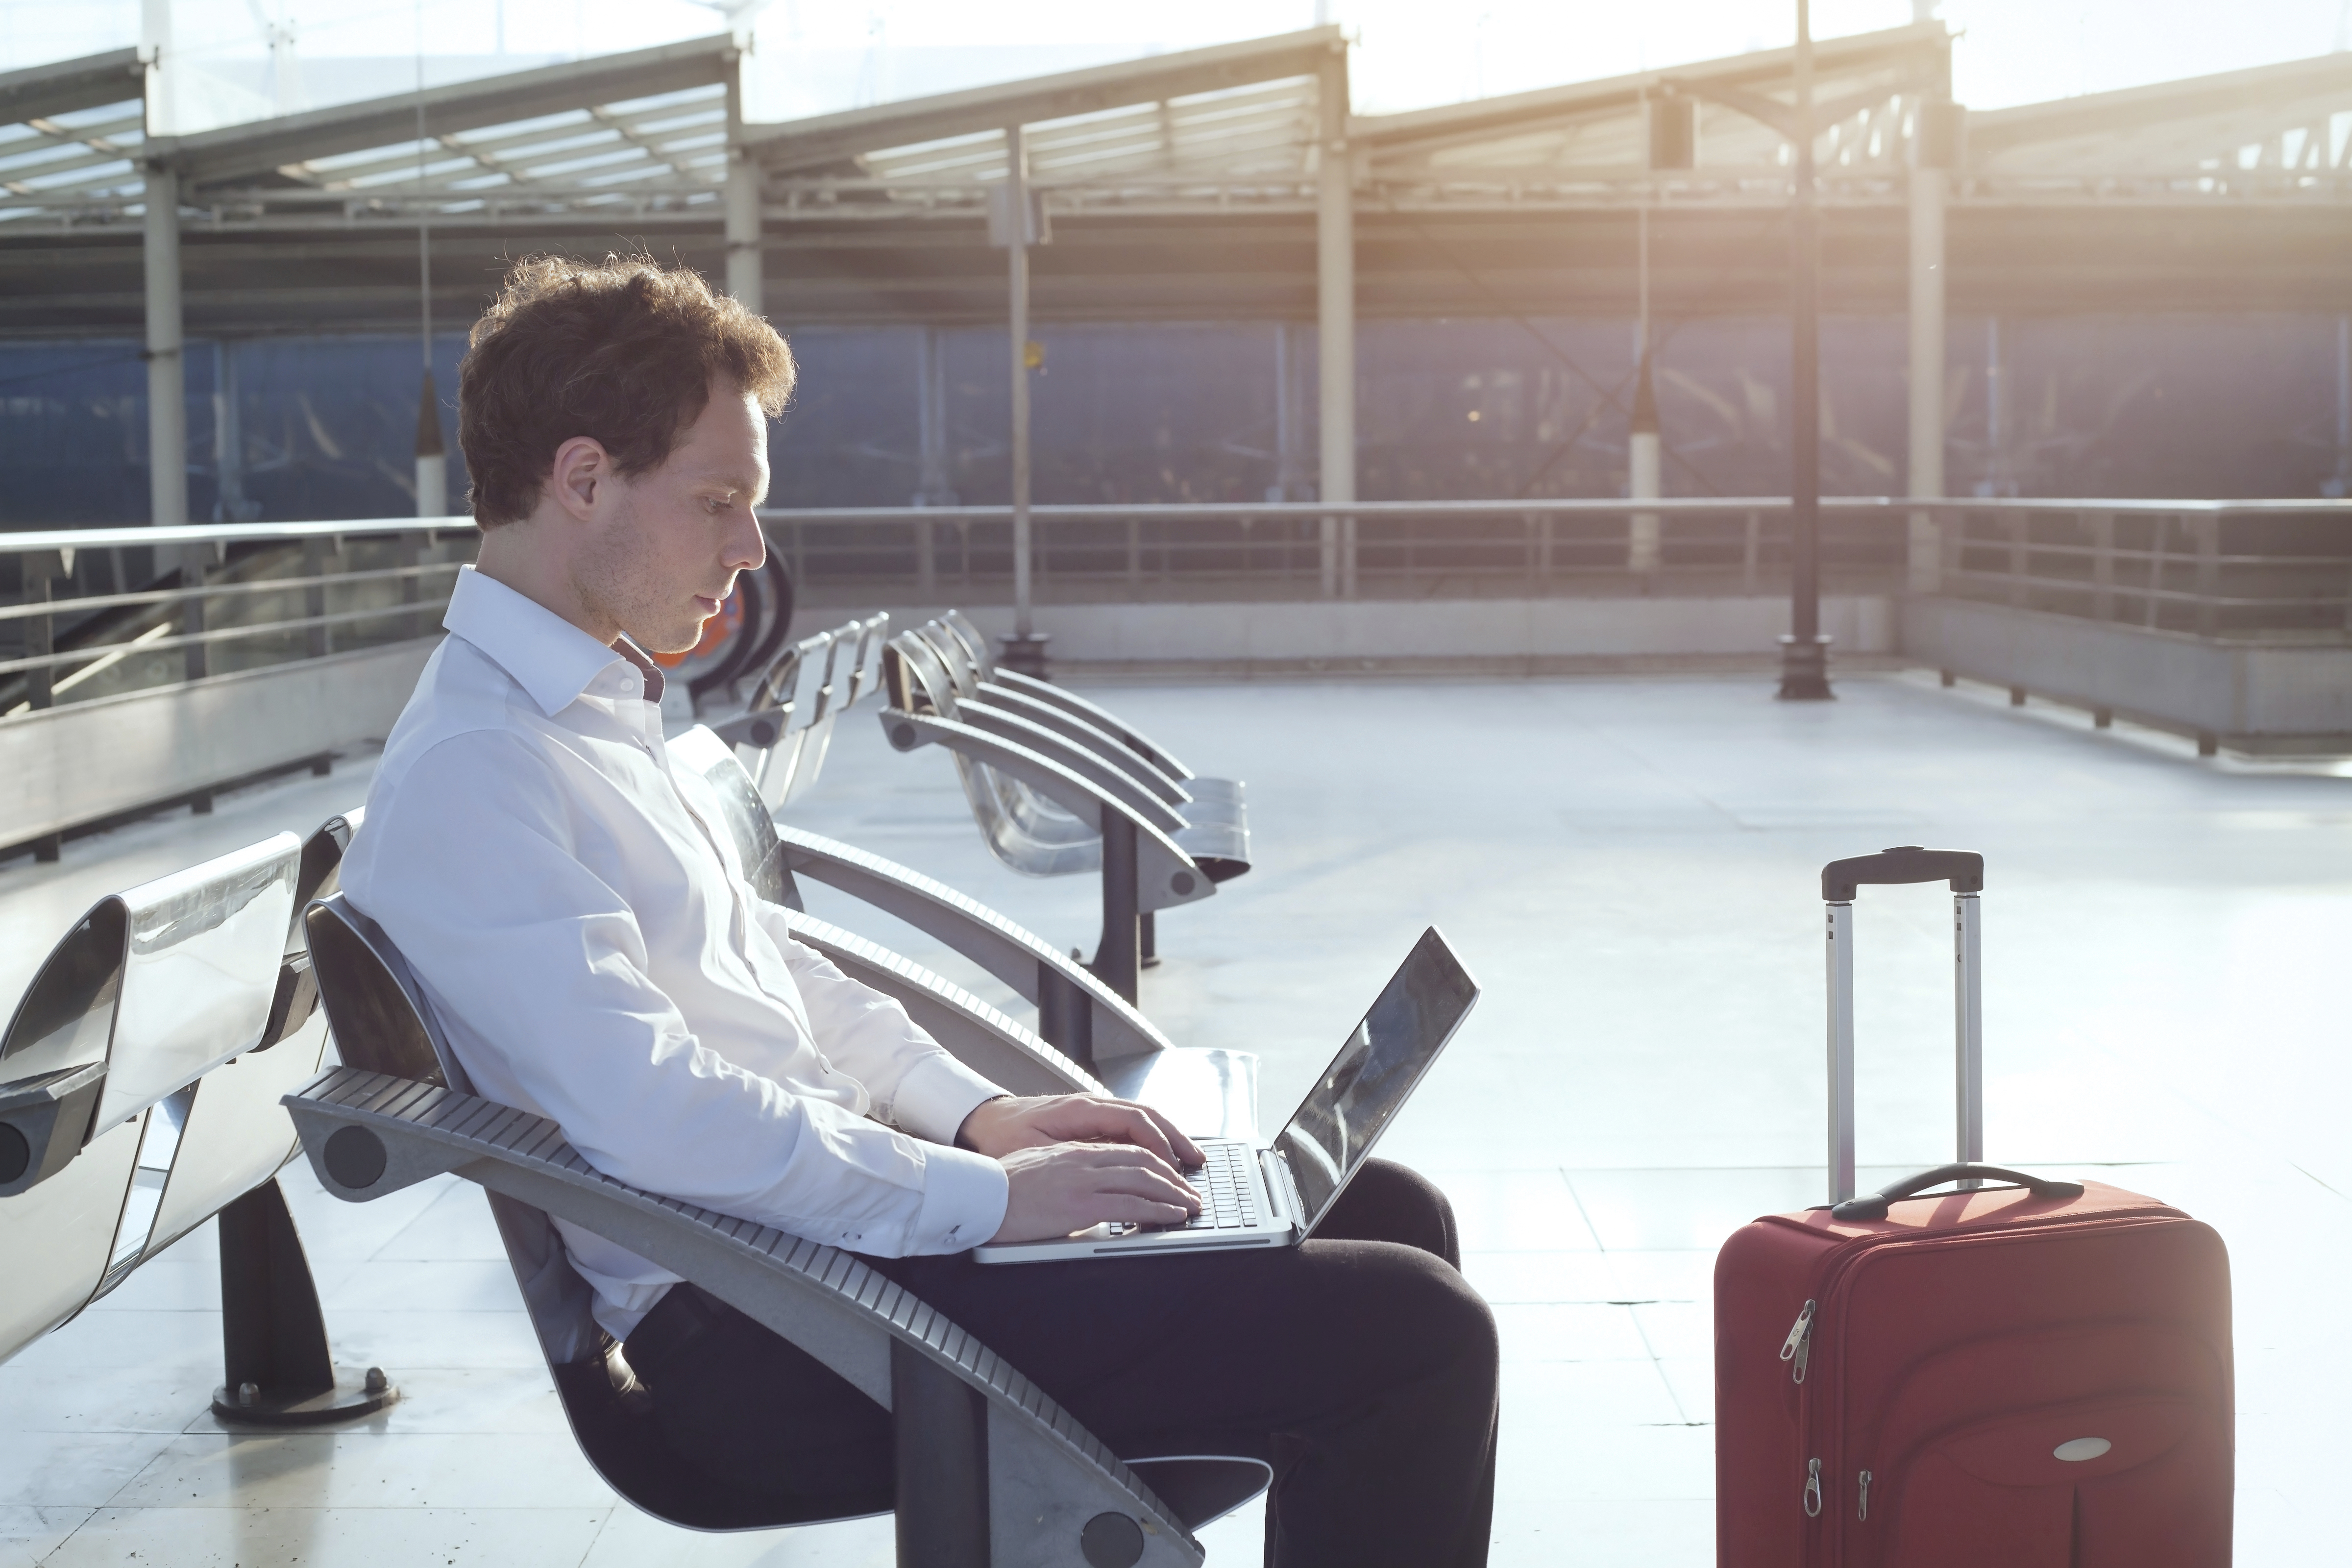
pixel 1182 187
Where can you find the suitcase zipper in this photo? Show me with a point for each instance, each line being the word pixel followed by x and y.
pixel 1799 1346
pixel 1861 1498
pixel 1812 1489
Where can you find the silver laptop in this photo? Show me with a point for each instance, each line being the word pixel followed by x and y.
pixel 1276 1196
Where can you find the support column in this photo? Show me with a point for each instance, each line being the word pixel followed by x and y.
pixel 1025 651
pixel 1335 255
pixel 1645 538
pixel 745 277
pixel 2342 480
pixel 432 455
pixel 1293 475
pixel 1804 652
pixel 167 405
pixel 229 502
pixel 932 485
pixel 1929 188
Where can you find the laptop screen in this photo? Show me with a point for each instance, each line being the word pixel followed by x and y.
pixel 1334 1128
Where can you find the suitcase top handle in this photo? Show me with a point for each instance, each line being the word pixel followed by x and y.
pixel 1964 868
pixel 1873 1205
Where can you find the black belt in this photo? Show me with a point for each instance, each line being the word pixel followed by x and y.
pixel 685 1314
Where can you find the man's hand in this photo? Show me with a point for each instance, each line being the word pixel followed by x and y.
pixel 1074 1160
pixel 998 1127
pixel 1062 1187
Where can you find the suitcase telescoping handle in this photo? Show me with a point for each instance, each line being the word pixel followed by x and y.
pixel 1840 880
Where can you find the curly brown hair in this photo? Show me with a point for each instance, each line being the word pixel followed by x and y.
pixel 623 350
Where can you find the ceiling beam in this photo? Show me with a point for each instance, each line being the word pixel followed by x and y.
pixel 242 151
pixel 2263 88
pixel 1760 71
pixel 830 138
pixel 69 85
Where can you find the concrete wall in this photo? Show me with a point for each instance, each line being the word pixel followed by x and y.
pixel 2250 697
pixel 86 760
pixel 1388 632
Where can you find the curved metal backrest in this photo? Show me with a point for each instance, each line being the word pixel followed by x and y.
pixel 199 970
pixel 975 645
pixel 866 663
pixel 954 658
pixel 321 870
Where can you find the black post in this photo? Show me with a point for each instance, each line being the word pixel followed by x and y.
pixel 1065 1016
pixel 1118 957
pixel 1804 652
pixel 273 1339
pixel 1150 940
pixel 939 1426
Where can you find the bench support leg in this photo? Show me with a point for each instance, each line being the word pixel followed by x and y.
pixel 273 1340
pixel 1065 1016
pixel 940 1429
pixel 1118 958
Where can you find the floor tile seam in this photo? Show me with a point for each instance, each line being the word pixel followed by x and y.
pixel 1582 1213
pixel 1657 1364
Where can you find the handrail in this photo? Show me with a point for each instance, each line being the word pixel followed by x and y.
pixel 135 536
pixel 131 537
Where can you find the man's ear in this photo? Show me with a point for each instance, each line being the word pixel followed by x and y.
pixel 583 468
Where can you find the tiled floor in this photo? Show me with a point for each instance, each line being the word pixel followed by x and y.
pixel 1629 867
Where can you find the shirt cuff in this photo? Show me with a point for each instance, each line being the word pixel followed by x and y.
pixel 935 1095
pixel 964 1196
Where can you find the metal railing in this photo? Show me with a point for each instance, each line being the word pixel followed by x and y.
pixel 1714 545
pixel 97 612
pixel 2271 571
pixel 86 612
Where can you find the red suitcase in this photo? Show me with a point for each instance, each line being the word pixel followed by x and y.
pixel 2029 1374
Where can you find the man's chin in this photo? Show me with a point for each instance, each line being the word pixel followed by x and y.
pixel 669 640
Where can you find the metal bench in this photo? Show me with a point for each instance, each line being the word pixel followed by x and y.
pixel 1087 1037
pixel 140 1081
pixel 1049 807
pixel 987 1468
pixel 783 732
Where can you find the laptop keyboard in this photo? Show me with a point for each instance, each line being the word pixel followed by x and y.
pixel 1227 1199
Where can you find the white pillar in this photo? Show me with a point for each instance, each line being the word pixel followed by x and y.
pixel 744 280
pixel 932 485
pixel 1335 253
pixel 1016 180
pixel 167 406
pixel 1929 187
pixel 432 455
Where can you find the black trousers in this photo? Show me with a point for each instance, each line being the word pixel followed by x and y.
pixel 1361 1365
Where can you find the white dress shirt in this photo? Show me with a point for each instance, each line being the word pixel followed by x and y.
pixel 595 956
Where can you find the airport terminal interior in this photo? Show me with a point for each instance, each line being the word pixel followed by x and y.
pixel 1232 520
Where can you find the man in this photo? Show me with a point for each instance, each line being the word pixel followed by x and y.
pixel 579 919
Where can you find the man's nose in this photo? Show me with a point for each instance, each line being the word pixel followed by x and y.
pixel 747 546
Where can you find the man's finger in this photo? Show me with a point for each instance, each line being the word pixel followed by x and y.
pixel 1137 1181
pixel 1139 1127
pixel 1188 1154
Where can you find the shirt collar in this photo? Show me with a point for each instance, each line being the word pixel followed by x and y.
pixel 548 657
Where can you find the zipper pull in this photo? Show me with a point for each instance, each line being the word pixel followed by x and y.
pixel 1861 1498
pixel 1799 1346
pixel 1812 1489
